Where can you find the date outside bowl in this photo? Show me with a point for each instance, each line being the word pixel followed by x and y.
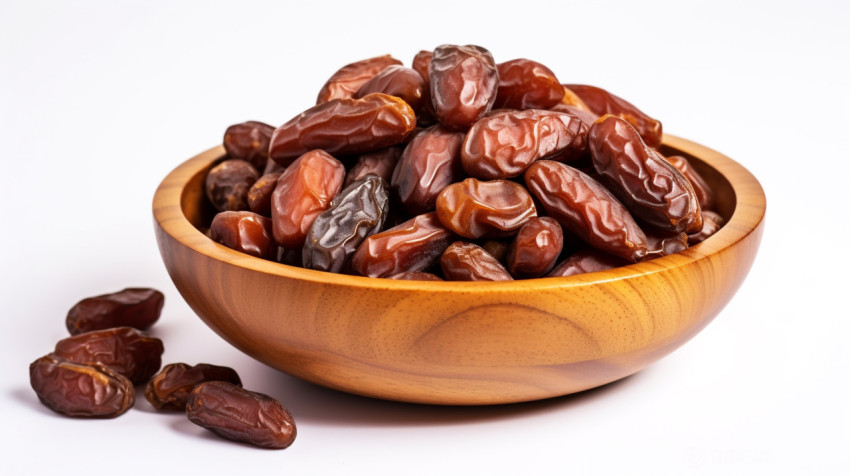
pixel 459 343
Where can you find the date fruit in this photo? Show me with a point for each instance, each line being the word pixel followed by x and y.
pixel 247 232
pixel 469 262
pixel 381 162
pixel 430 162
pixel 711 223
pixel 227 184
pixel 241 415
pixel 398 81
pixel 587 260
pixel 601 102
pixel 535 248
pixel 347 80
pixel 124 349
pixel 527 84
pixel 133 307
pixel 475 209
pixel 170 388
pixel 464 82
pixel 249 141
pixel 81 390
pixel 260 194
pixel 701 188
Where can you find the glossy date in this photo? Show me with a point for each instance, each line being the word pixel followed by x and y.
pixel 535 248
pixel 527 84
pixel 124 349
pixel 227 184
pixel 170 388
pixel 464 82
pixel 602 102
pixel 430 162
pixel 249 141
pixel 469 262
pixel 476 209
pixel 247 232
pixel 398 81
pixel 346 81
pixel 133 307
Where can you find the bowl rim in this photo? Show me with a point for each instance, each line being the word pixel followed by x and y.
pixel 748 214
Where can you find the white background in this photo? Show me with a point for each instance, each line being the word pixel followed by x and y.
pixel 100 100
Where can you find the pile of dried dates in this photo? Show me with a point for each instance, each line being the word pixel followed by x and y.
pixel 92 374
pixel 459 168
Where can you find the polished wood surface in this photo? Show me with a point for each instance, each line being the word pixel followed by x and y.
pixel 460 343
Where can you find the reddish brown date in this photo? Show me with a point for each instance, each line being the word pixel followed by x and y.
pixel 587 260
pixel 398 81
pixel 344 126
pixel 124 349
pixel 527 84
pixel 247 232
pixel 170 388
pixel 601 102
pixel 535 248
pixel 422 65
pixel 304 190
pixel 241 415
pixel 416 276
pixel 249 141
pixel 415 245
pixel 260 194
pixel 430 162
pixel 499 249
pixel 663 244
pixel 133 307
pixel 380 162
pixel 701 188
pixel 504 145
pixel 571 99
pixel 81 390
pixel 347 80
pixel 469 262
pixel 711 223
pixel 650 188
pixel 476 209
pixel 227 184
pixel 586 208
pixel 464 82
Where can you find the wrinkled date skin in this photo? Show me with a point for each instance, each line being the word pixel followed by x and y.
pixel 416 276
pixel 583 206
pixel 81 390
pixel 469 262
pixel 133 307
pixel 504 145
pixel 260 194
pixel 241 415
pixel 711 222
pixel 527 84
pixel 650 188
pixel 247 232
pixel 475 209
pixel 344 126
pixel 347 80
pixel 227 184
pixel 430 162
pixel 601 102
pixel 422 65
pixel 535 248
pixel 663 244
pixel 170 388
pixel 357 212
pixel 414 245
pixel 304 190
pixel 398 81
pixel 380 162
pixel 124 349
pixel 587 260
pixel 701 188
pixel 464 82
pixel 249 141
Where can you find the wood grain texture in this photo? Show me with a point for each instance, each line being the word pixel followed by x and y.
pixel 460 343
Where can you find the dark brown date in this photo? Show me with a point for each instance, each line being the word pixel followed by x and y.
pixel 527 84
pixel 80 390
pixel 170 388
pixel 499 249
pixel 430 162
pixel 535 248
pixel 249 141
pixel 701 188
pixel 247 232
pixel 586 208
pixel 124 349
pixel 241 415
pixel 344 126
pixel 133 307
pixel 227 184
pixel 650 188
pixel 476 209
pixel 711 222
pixel 504 145
pixel 601 102
pixel 380 162
pixel 587 260
pixel 260 194
pixel 416 276
pixel 415 245
pixel 398 81
pixel 303 191
pixel 347 80
pixel 357 212
pixel 469 262
pixel 663 244
pixel 464 82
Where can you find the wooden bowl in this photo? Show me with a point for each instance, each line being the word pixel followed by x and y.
pixel 459 343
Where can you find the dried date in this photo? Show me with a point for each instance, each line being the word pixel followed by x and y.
pixel 704 194
pixel 170 388
pixel 241 415
pixel 260 194
pixel 663 244
pixel 711 223
pixel 247 232
pixel 535 248
pixel 380 162
pixel 586 208
pixel 464 82
pixel 81 390
pixel 227 184
pixel 430 162
pixel 133 307
pixel 347 80
pixel 527 84
pixel 587 260
pixel 469 262
pixel 476 209
pixel 249 141
pixel 398 81
pixel 344 126
pixel 124 349
pixel 357 212
pixel 602 102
